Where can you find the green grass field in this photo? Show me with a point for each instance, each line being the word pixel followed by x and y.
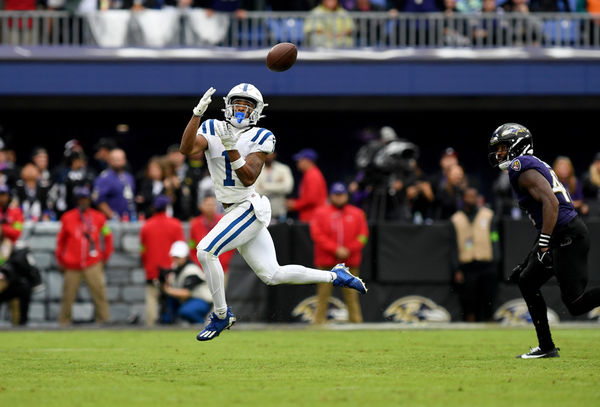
pixel 296 367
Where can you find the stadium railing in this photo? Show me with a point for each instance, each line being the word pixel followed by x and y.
pixel 193 28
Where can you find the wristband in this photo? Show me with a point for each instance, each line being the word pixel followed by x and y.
pixel 544 240
pixel 237 164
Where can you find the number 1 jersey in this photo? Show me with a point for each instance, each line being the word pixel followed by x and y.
pixel 228 187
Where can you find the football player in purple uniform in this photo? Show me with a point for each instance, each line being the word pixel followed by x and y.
pixel 563 242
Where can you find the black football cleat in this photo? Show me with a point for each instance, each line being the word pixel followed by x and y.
pixel 538 353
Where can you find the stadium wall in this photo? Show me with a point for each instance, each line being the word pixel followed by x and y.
pixel 127 77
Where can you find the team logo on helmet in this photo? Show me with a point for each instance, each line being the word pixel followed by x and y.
pixel 594 314
pixel 305 311
pixel 515 312
pixel 516 165
pixel 415 308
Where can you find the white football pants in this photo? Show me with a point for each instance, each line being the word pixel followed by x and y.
pixel 239 229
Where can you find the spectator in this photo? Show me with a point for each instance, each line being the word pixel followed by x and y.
pixel 455 27
pixel 550 6
pixel 72 147
pixel 475 275
pixel 339 231
pixel 39 158
pixel 83 245
pixel 11 216
pixel 369 176
pixel 312 192
pixel 291 5
pixel 151 186
pixel 32 195
pixel 329 25
pixel 490 30
pixel 201 225
pixel 185 286
pixel 157 235
pixel 366 5
pixel 449 196
pixel 114 189
pixel 563 168
pixel 591 186
pixel 196 171
pixel 415 6
pixel 525 28
pixel 388 170
pixel 178 192
pixel 102 151
pixel 62 194
pixel 9 173
pixel 420 196
pixel 448 159
pixel 370 29
pixel 275 181
pixel 469 6
pixel 19 279
pixel 177 159
pixel 238 7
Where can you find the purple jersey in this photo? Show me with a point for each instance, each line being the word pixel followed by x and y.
pixel 566 211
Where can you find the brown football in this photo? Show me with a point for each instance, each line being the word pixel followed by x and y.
pixel 282 56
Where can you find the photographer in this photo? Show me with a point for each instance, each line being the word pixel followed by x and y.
pixel 19 279
pixel 386 169
pixel 184 285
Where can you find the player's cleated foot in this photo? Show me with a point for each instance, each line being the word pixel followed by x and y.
pixel 538 353
pixel 216 326
pixel 345 279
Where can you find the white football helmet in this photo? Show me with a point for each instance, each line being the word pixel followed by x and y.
pixel 249 92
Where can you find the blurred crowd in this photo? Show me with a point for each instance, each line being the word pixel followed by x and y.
pixel 387 183
pixel 87 191
pixel 239 7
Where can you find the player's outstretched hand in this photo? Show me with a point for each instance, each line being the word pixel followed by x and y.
pixel 204 102
pixel 226 135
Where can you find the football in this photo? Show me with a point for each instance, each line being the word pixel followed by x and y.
pixel 282 57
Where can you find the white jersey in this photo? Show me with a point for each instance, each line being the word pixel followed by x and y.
pixel 228 187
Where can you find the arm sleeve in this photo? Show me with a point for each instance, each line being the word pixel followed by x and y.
pixel 319 235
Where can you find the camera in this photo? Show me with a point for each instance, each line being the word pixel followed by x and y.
pixel 163 274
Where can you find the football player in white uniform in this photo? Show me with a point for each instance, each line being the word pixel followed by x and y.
pixel 235 152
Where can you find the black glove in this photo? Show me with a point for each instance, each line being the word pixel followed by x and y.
pixel 545 258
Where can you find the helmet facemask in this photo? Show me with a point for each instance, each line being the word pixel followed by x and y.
pixel 238 111
pixel 518 142
pixel 241 112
